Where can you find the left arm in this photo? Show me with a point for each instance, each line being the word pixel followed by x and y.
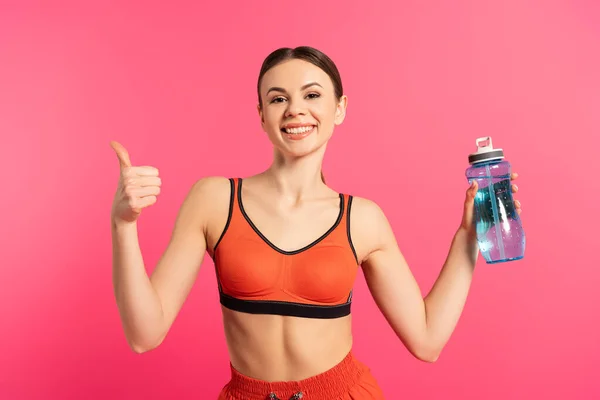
pixel 424 325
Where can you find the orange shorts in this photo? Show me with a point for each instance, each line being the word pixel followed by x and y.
pixel 348 380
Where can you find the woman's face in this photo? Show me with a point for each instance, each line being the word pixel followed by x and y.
pixel 299 107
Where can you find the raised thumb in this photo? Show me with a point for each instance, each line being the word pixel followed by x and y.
pixel 122 154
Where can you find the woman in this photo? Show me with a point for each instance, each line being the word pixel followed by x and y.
pixel 286 249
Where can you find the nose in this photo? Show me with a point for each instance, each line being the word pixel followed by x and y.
pixel 295 108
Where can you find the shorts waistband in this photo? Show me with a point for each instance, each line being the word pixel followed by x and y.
pixel 329 384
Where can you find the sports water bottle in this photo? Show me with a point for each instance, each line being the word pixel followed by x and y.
pixel 500 234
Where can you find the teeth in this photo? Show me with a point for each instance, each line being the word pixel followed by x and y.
pixel 296 131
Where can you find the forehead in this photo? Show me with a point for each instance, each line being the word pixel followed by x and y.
pixel 293 74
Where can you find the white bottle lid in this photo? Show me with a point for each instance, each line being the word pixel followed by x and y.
pixel 485 152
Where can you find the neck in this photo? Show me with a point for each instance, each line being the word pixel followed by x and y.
pixel 297 177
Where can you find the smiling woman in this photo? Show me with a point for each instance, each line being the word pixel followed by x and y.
pixel 286 254
pixel 276 94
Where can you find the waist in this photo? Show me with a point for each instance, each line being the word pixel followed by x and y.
pixel 278 348
pixel 331 383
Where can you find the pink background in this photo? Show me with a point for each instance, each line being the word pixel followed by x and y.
pixel 176 85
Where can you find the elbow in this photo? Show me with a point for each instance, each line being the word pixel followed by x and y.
pixel 428 354
pixel 144 346
pixel 429 357
pixel 140 348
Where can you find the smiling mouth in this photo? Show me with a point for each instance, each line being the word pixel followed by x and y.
pixel 299 130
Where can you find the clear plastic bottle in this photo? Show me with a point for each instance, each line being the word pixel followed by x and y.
pixel 500 233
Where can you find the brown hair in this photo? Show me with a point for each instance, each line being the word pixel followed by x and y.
pixel 305 53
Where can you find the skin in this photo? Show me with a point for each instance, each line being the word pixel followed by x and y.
pixel 291 206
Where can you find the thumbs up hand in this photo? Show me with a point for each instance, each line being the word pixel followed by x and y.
pixel 137 188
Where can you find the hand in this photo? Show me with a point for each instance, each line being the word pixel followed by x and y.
pixel 467 221
pixel 137 188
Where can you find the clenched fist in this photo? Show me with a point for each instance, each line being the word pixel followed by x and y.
pixel 137 189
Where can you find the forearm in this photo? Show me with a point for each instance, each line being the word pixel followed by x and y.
pixel 138 303
pixel 445 302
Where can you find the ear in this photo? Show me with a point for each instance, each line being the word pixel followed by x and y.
pixel 260 114
pixel 340 110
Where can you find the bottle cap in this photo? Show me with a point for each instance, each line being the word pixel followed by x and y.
pixel 485 152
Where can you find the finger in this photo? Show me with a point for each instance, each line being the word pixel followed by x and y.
pixel 518 207
pixel 122 154
pixel 470 195
pixel 144 202
pixel 467 220
pixel 139 192
pixel 517 203
pixel 514 176
pixel 131 180
pixel 515 188
pixel 144 171
pixel 149 181
pixel 472 190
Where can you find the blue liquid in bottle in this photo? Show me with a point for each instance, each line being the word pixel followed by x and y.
pixel 500 233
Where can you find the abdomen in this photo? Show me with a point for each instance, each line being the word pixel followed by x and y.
pixel 282 348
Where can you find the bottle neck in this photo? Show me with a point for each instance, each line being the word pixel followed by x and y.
pixel 488 162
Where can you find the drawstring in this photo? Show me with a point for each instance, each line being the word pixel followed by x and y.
pixel 272 396
pixel 297 396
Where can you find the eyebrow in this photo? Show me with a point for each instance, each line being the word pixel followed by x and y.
pixel 278 89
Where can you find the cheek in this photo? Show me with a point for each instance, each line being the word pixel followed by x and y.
pixel 271 125
pixel 271 118
pixel 325 116
pixel 321 113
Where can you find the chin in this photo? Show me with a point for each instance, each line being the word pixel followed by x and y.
pixel 300 149
pixel 299 153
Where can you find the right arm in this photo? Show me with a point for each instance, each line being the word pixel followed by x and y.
pixel 148 305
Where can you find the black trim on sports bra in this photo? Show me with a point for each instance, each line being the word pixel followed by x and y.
pixel 285 308
pixel 348 228
pixel 231 198
pixel 274 247
pixel 229 216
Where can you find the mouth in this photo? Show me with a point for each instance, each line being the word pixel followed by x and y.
pixel 298 132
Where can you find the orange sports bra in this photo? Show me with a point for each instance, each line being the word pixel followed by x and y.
pixel 257 277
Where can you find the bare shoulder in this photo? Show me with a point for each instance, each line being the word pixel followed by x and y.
pixel 203 199
pixel 210 189
pixel 365 210
pixel 369 227
pixel 210 198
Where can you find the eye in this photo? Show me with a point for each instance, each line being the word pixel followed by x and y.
pixel 313 95
pixel 277 99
